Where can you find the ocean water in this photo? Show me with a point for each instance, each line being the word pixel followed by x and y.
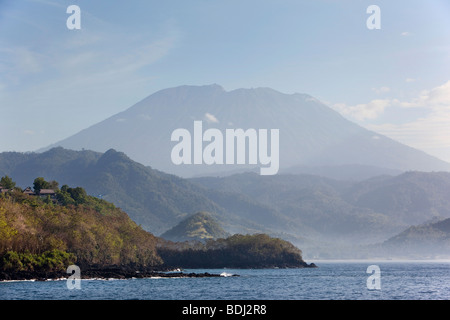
pixel 412 280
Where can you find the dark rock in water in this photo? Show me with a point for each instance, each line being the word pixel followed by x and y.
pixel 111 272
pixel 32 275
pixel 121 272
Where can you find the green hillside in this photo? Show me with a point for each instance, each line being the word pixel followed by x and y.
pixel 153 199
pixel 312 212
pixel 198 227
pixel 45 229
pixel 237 251
pixel 40 235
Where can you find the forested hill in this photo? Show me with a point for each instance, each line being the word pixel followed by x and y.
pixel 197 227
pixel 153 199
pixel 41 234
pixel 312 212
pixel 236 251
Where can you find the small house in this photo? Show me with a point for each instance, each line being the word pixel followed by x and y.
pixel 28 191
pixel 43 193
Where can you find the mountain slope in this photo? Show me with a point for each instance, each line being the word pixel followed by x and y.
pixel 428 240
pixel 197 227
pixel 311 134
pixel 94 232
pixel 405 199
pixel 152 198
pixel 39 240
pixel 411 198
pixel 309 211
pixel 312 204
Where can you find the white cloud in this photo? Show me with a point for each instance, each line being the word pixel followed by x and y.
pixel 141 57
pixel 410 80
pixel 20 61
pixel 312 99
pixel 381 90
pixel 88 73
pixel 405 34
pixel 210 118
pixel 50 3
pixel 361 112
pixel 437 100
pixel 29 132
pixel 82 39
pixel 430 132
pixel 438 97
pixel 146 117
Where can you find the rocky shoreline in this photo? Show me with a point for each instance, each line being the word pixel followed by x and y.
pixel 103 273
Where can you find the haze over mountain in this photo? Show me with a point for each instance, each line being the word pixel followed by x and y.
pixel 338 209
pixel 318 214
pixel 311 134
pixel 153 199
pixel 427 240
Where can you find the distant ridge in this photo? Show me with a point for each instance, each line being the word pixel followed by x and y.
pixel 310 211
pixel 427 240
pixel 311 133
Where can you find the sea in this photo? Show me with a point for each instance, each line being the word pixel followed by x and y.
pixel 331 280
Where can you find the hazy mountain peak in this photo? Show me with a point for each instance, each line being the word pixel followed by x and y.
pixel 192 89
pixel 113 153
pixel 311 133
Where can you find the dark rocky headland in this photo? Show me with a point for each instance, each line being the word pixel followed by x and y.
pixel 112 272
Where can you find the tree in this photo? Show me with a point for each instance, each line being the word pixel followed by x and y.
pixel 7 183
pixel 39 184
pixel 63 196
pixel 53 185
pixel 68 195
pixel 78 194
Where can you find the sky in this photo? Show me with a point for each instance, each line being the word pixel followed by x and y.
pixel 56 81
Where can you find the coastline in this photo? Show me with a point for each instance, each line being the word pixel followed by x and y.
pixel 120 273
pixel 102 274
